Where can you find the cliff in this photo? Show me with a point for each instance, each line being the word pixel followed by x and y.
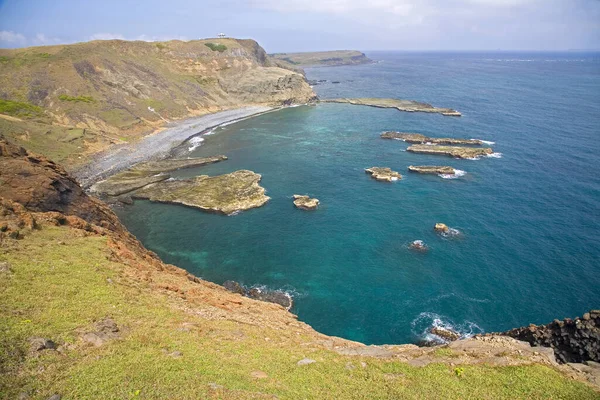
pixel 70 101
pixel 87 312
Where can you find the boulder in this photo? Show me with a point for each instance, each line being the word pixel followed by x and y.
pixel 447 335
pixel 441 228
pixel 418 245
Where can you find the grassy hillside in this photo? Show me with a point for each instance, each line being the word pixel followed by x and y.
pixel 115 90
pixel 320 58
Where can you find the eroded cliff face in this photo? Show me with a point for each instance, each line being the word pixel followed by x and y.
pixel 110 91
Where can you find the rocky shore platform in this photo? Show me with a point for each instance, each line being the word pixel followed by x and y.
pixel 146 173
pixel 226 194
pixel 383 174
pixel 432 169
pixel 452 151
pixel 401 105
pixel 417 138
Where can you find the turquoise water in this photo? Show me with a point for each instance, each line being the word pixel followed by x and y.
pixel 530 249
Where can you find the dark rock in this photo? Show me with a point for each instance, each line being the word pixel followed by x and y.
pixel 271 296
pixel 107 330
pixel 39 344
pixel 573 340
pixel 234 287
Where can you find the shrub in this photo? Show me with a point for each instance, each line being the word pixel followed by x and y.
pixel 77 99
pixel 216 47
pixel 19 109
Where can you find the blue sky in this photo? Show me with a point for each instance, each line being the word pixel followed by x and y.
pixel 304 25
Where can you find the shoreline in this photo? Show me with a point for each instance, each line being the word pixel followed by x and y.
pixel 158 145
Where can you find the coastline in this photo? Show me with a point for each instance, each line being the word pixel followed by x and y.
pixel 157 145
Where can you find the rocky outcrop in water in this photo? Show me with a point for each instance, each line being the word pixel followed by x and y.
pixel 383 174
pixel 452 151
pixel 432 169
pixel 146 173
pixel 225 194
pixel 418 245
pixel 270 296
pixel 573 340
pixel 401 105
pixel 417 138
pixel 442 228
pixel 305 202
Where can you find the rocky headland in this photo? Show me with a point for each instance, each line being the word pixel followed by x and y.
pixel 305 202
pixel 417 138
pixel 401 105
pixel 143 174
pixel 323 58
pixel 432 169
pixel 227 194
pixel 451 151
pixel 383 174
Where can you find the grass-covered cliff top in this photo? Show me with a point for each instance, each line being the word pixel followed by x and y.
pixel 320 58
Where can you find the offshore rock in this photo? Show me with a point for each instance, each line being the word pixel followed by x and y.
pixel 146 173
pixel 442 228
pixel 418 245
pixel 401 105
pixel 457 152
pixel 446 334
pixel 432 169
pixel 305 202
pixel 383 174
pixel 418 138
pixel 225 194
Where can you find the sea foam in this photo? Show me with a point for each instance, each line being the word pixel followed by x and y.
pixel 195 142
pixel 457 174
pixel 421 327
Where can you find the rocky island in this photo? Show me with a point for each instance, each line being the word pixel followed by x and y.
pixel 452 151
pixel 305 202
pixel 143 174
pixel 418 138
pixel 432 169
pixel 401 105
pixel 225 194
pixel 323 58
pixel 383 174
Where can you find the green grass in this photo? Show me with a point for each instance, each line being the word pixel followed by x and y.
pixel 76 99
pixel 216 47
pixel 20 109
pixel 58 291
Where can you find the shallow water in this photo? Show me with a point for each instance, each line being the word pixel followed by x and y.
pixel 529 249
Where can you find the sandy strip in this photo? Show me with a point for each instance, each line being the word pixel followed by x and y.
pixel 156 146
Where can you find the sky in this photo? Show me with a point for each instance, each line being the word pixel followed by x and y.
pixel 311 25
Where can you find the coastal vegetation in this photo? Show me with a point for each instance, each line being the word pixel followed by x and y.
pixel 76 99
pixel 216 47
pixel 20 109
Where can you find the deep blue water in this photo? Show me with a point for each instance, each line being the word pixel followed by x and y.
pixel 530 250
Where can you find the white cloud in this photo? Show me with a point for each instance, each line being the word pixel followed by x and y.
pixel 106 36
pixel 42 40
pixel 12 38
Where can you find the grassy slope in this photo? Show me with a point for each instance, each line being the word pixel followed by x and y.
pixel 63 281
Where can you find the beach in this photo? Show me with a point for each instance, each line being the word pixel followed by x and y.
pixel 157 145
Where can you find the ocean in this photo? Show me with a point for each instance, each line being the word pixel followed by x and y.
pixel 529 217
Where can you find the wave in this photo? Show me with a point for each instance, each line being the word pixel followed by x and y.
pixel 425 322
pixel 195 142
pixel 211 132
pixel 457 174
pixel 489 143
pixel 495 155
